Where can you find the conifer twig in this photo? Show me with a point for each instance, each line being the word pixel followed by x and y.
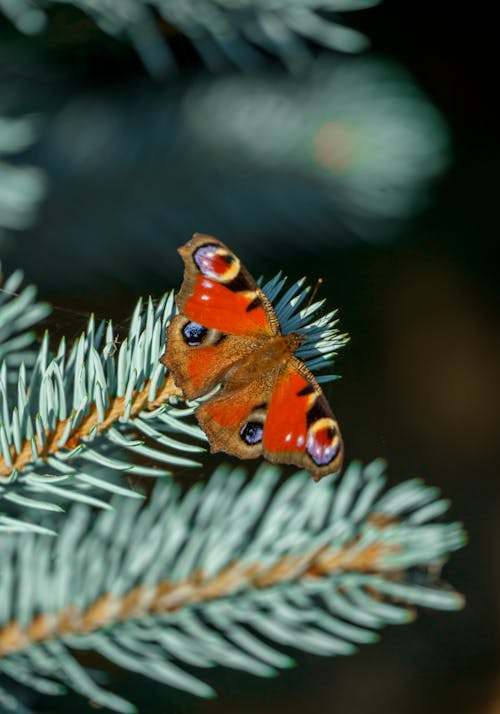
pixel 318 567
pixel 222 32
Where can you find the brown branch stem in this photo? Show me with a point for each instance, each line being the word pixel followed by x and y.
pixel 168 596
pixel 115 409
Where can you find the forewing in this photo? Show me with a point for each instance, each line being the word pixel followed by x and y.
pixel 199 357
pixel 300 427
pixel 218 292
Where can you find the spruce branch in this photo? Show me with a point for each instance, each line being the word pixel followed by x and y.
pixel 223 32
pixel 318 567
pixel 18 312
pixel 86 413
pixel 76 419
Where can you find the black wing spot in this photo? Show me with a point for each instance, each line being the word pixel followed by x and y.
pixel 308 389
pixel 252 432
pixel 317 411
pixel 256 302
pixel 219 339
pixel 238 283
pixel 194 334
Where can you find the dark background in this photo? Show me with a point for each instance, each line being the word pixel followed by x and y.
pixel 421 374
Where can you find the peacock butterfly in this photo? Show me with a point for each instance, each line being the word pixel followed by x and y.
pixel 227 333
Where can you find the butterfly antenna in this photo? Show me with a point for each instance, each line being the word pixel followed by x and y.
pixel 319 282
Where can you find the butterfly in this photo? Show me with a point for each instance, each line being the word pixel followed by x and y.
pixel 227 334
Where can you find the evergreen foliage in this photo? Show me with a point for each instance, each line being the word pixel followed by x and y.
pixel 228 567
pixel 235 569
pixel 18 312
pixel 221 31
pixel 215 576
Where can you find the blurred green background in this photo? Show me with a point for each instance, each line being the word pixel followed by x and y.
pixel 335 167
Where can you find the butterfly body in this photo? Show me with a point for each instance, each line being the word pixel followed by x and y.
pixel 274 353
pixel 227 334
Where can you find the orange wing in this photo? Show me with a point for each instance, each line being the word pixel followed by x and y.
pixel 218 291
pixel 199 357
pixel 223 316
pixel 233 419
pixel 300 427
pixel 282 415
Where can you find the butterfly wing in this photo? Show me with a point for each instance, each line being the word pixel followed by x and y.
pixel 283 415
pixel 218 292
pixel 233 419
pixel 223 316
pixel 300 427
pixel 198 357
